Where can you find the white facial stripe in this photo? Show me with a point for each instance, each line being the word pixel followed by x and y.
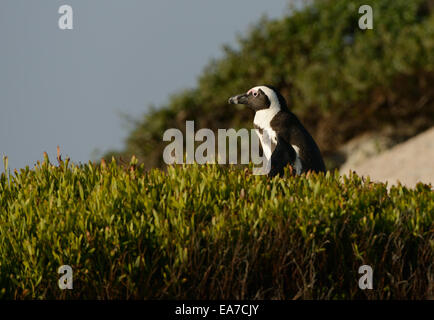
pixel 263 117
pixel 274 101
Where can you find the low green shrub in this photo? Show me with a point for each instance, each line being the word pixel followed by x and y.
pixel 207 232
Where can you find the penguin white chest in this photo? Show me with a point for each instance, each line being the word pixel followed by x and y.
pixel 268 140
pixel 266 134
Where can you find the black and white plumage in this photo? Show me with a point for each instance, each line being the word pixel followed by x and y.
pixel 290 143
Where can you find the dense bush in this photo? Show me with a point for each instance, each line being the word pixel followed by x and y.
pixel 210 232
pixel 340 80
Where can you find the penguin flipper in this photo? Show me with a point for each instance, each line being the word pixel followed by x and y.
pixel 289 128
pixel 282 155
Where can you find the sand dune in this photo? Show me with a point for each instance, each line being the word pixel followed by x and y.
pixel 409 162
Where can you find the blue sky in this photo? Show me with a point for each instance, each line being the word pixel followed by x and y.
pixel 68 88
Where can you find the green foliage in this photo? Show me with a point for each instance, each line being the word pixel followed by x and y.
pixel 209 232
pixel 338 79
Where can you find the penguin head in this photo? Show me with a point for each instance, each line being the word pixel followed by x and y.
pixel 260 98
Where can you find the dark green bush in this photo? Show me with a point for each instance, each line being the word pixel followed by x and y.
pixel 207 232
pixel 340 80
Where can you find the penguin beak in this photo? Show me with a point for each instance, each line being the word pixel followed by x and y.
pixel 239 99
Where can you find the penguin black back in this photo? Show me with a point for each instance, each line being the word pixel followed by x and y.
pixel 291 143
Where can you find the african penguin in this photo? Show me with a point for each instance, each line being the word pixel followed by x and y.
pixel 290 143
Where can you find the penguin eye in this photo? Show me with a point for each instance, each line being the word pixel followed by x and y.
pixel 255 93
